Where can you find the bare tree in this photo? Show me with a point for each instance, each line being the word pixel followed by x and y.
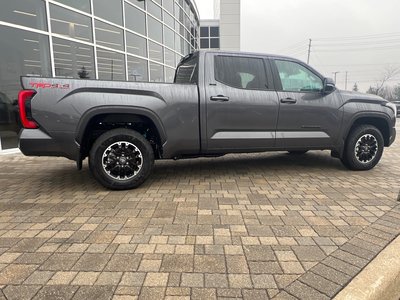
pixel 389 73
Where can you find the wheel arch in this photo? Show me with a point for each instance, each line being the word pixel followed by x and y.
pixel 118 115
pixel 380 120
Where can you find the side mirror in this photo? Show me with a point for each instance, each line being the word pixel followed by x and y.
pixel 329 86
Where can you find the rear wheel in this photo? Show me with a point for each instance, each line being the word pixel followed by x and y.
pixel 364 148
pixel 121 159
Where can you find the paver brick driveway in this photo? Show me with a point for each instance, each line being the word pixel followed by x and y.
pixel 242 226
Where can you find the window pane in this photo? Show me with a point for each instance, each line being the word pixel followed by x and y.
pixel 169 75
pixel 108 10
pixel 188 71
pixel 169 20
pixel 204 32
pixel 26 13
pixel 137 69
pixel 111 65
pixel 214 43
pixel 169 58
pixel 155 30
pixel 153 9
pixel 156 73
pixel 187 7
pixel 187 35
pixel 296 78
pixel 177 43
pixel 73 60
pixel 69 23
pixel 21 53
pixel 204 43
pixel 177 11
pixel 139 3
pixel 156 52
pixel 214 31
pixel 187 48
pixel 169 5
pixel 241 72
pixel 182 47
pixel 136 44
pixel 83 5
pixel 169 35
pixel 109 36
pixel 135 19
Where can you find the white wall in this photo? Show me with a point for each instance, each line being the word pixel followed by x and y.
pixel 230 24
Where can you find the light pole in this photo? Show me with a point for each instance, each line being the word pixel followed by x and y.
pixel 334 74
pixel 309 51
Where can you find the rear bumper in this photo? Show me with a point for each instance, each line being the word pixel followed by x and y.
pixel 35 142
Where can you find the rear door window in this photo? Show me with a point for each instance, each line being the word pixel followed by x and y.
pixel 241 72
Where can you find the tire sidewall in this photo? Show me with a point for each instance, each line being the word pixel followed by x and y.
pixel 351 160
pixel 114 136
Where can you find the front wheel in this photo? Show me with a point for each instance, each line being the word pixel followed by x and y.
pixel 121 159
pixel 364 148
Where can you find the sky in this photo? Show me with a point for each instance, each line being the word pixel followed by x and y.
pixel 361 37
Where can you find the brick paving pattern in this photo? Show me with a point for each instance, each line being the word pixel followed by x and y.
pixel 243 226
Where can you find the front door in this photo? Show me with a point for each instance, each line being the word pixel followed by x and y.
pixel 242 108
pixel 308 118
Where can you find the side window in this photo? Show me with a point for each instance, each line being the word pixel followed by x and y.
pixel 296 78
pixel 241 72
pixel 187 71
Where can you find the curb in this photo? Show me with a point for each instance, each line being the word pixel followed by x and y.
pixel 10 151
pixel 379 280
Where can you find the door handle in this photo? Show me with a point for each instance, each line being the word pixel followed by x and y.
pixel 220 98
pixel 289 100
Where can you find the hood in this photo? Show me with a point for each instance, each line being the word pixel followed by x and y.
pixel 351 95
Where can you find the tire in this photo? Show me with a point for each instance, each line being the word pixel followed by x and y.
pixel 363 148
pixel 300 152
pixel 128 159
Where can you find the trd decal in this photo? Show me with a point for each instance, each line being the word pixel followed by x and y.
pixel 43 85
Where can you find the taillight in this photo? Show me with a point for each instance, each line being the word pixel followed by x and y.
pixel 24 103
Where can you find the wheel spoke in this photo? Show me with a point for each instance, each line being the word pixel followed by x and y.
pixel 366 148
pixel 122 160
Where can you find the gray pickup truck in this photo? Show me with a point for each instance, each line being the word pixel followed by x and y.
pixel 220 102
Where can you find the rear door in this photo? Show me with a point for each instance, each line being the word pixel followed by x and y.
pixel 308 118
pixel 241 104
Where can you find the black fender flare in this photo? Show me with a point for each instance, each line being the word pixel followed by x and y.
pixel 117 109
pixel 359 115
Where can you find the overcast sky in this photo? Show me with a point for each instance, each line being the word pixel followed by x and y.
pixel 358 36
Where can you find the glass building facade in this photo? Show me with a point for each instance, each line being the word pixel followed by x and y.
pixel 126 40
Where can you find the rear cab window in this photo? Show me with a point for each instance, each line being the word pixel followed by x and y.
pixel 187 71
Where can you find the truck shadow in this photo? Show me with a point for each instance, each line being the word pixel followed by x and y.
pixel 61 179
pixel 256 163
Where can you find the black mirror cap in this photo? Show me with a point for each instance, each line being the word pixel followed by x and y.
pixel 329 86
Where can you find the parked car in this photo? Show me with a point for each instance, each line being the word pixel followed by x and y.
pixel 220 102
pixel 397 103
